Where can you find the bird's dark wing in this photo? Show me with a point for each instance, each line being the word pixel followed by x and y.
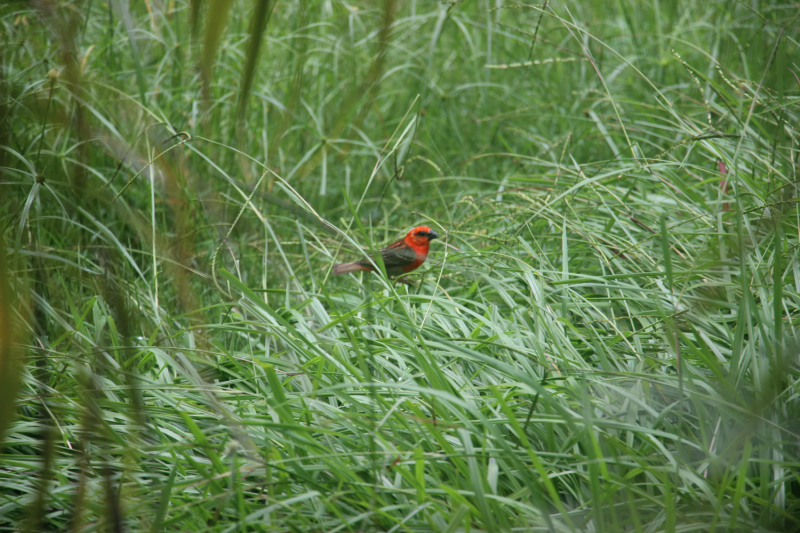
pixel 398 254
pixel 395 255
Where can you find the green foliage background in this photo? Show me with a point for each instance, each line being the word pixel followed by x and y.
pixel 605 338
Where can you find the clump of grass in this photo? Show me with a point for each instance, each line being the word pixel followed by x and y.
pixel 608 342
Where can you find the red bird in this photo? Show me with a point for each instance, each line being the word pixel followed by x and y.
pixel 401 257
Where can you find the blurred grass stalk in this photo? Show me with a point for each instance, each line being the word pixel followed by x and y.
pixel 13 338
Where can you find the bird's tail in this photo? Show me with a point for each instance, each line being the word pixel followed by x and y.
pixel 346 268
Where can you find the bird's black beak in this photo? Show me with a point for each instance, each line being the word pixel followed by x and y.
pixel 433 235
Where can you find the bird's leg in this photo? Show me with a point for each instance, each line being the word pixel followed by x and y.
pixel 405 280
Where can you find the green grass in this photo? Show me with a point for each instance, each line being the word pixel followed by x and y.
pixel 607 342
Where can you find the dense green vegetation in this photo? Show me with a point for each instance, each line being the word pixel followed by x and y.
pixel 605 338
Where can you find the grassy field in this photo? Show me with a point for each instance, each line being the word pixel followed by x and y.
pixel 604 339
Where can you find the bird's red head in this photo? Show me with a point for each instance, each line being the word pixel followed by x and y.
pixel 420 237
